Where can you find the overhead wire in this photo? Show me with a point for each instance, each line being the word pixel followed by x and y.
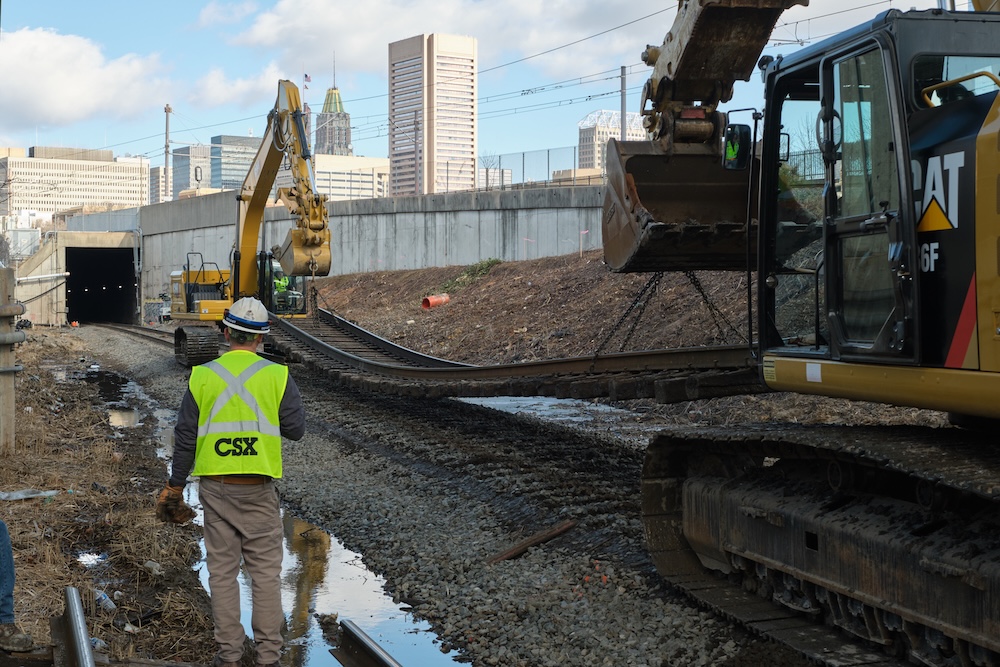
pixel 381 122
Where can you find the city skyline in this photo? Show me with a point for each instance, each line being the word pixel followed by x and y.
pixel 88 79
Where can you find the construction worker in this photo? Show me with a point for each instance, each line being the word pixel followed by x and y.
pixel 229 427
pixel 280 283
pixel 11 637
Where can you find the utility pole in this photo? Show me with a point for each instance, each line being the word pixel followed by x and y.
pixel 167 176
pixel 9 308
pixel 623 123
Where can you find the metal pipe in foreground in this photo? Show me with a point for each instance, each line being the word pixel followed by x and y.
pixel 76 630
pixel 373 651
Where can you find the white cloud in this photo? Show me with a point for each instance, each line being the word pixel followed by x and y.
pixel 306 33
pixel 215 89
pixel 224 13
pixel 54 79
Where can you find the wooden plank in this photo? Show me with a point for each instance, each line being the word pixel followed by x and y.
pixel 534 540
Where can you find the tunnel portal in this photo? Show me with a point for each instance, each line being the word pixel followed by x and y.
pixel 101 286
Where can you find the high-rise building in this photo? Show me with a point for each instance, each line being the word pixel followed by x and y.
pixel 432 114
pixel 333 127
pixel 231 160
pixel 597 128
pixel 49 180
pixel 345 176
pixel 159 185
pixel 192 168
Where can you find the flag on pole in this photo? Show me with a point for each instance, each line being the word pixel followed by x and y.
pixel 307 78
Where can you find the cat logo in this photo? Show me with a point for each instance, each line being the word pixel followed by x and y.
pixel 938 211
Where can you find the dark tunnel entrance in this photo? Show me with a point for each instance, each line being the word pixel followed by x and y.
pixel 101 285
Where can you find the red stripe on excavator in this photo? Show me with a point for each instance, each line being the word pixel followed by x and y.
pixel 964 330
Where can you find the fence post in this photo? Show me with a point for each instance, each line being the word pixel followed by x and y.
pixel 8 338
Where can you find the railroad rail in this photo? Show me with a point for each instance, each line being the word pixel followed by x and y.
pixel 358 358
pixel 155 335
pixel 357 649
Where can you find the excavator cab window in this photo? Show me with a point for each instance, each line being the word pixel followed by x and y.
pixel 799 295
pixel 944 79
pixel 738 147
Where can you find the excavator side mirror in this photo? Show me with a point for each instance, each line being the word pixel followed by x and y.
pixel 737 147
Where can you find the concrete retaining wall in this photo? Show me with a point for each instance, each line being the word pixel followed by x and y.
pixel 385 234
pixel 366 235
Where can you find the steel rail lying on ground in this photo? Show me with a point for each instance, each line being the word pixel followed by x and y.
pixel 357 649
pixel 431 368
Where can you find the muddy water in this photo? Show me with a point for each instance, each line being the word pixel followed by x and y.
pixel 322 581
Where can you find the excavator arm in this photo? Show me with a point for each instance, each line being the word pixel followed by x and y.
pixel 670 204
pixel 306 249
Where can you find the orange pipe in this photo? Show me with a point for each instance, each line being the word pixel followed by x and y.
pixel 435 300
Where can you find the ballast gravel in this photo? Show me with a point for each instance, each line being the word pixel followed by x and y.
pixel 429 491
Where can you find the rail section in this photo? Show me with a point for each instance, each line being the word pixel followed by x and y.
pixel 359 358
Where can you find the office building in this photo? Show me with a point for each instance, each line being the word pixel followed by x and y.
pixel 159 185
pixel 231 159
pixel 345 176
pixel 333 127
pixel 597 128
pixel 192 168
pixel 49 180
pixel 432 114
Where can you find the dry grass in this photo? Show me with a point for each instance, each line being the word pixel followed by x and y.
pixel 104 512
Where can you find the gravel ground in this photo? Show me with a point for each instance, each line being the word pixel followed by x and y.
pixel 428 491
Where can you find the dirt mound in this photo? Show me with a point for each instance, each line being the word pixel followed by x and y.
pixel 541 309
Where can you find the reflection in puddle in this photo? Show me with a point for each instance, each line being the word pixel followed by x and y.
pixel 321 579
pixel 123 418
pixel 118 393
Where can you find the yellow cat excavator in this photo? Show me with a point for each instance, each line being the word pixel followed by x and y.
pixel 864 201
pixel 202 291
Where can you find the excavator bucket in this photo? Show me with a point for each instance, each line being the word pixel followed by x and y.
pixel 306 253
pixel 675 212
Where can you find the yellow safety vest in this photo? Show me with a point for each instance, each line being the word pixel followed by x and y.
pixel 238 397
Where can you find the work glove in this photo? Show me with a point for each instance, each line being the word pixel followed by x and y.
pixel 170 506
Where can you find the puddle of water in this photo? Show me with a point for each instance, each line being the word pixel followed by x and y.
pixel 123 418
pixel 572 412
pixel 116 391
pixel 544 407
pixel 320 577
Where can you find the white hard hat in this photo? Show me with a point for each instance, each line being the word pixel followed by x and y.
pixel 249 315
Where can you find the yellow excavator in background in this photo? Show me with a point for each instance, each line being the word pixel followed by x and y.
pixel 868 208
pixel 202 291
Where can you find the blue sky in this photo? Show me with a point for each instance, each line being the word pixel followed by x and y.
pixel 98 74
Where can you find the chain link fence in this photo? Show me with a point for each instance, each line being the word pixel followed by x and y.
pixel 535 169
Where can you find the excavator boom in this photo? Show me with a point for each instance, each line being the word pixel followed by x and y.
pixel 306 249
pixel 202 291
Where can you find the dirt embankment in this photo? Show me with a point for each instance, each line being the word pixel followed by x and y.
pixel 540 309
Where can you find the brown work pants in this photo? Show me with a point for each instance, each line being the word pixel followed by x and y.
pixel 244 520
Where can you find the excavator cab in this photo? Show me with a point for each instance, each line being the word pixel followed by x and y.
pixel 738 148
pixel 281 294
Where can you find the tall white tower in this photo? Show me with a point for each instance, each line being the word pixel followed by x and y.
pixel 432 114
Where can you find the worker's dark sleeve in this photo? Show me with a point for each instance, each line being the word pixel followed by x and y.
pixel 291 412
pixel 185 440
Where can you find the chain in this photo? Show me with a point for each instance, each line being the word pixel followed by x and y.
pixel 718 317
pixel 641 301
